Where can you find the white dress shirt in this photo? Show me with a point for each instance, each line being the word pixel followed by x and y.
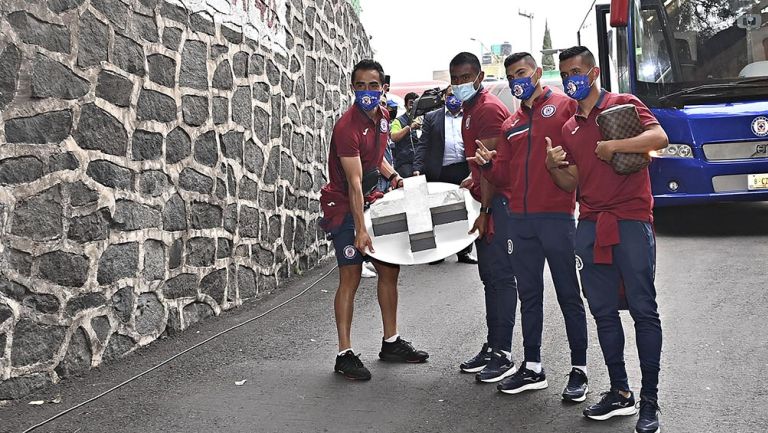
pixel 454 143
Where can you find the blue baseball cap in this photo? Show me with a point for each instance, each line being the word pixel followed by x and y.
pixel 391 103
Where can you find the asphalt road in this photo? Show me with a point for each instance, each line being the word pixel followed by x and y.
pixel 712 279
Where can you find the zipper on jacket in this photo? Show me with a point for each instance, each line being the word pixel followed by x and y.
pixel 527 159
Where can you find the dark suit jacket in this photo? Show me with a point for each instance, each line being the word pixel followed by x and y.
pixel 428 159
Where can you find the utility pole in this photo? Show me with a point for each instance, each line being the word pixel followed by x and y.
pixel 530 27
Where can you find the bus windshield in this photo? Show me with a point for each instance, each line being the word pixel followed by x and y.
pixel 689 51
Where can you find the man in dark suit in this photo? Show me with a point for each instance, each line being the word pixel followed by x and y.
pixel 440 152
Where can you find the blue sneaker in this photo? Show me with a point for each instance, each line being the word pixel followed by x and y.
pixel 477 362
pixel 497 369
pixel 649 417
pixel 523 380
pixel 612 404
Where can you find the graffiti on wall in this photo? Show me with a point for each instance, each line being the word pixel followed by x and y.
pixel 261 20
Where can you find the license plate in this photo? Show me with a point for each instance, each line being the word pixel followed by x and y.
pixel 757 181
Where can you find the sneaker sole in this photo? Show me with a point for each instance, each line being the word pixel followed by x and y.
pixel 345 376
pixel 528 387
pixel 504 375
pixel 472 370
pixel 397 359
pixel 577 399
pixel 627 411
pixel 658 430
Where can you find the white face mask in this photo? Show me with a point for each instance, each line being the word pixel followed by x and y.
pixel 465 91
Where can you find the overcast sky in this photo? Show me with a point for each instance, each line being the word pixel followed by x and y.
pixel 412 38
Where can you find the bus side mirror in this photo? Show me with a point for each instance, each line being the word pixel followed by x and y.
pixel 619 13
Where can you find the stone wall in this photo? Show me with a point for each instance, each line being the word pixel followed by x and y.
pixel 156 167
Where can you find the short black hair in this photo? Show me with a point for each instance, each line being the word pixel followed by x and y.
pixel 578 50
pixel 368 65
pixel 465 58
pixel 516 57
pixel 410 96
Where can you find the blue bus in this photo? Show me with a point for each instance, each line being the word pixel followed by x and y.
pixel 702 67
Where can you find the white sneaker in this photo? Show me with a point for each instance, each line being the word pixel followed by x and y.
pixel 368 271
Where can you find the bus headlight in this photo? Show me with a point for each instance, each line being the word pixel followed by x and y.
pixel 674 151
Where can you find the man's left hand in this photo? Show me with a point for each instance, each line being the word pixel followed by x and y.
pixel 604 150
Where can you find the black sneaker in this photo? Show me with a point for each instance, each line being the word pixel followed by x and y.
pixel 477 362
pixel 612 404
pixel 499 367
pixel 649 417
pixel 401 351
pixel 577 387
pixel 523 380
pixel 349 365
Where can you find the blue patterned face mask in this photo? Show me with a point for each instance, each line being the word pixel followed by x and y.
pixel 367 99
pixel 578 86
pixel 452 103
pixel 523 88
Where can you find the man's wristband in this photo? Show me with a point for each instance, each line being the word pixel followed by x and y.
pixel 392 176
pixel 485 210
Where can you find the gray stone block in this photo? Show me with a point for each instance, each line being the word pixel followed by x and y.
pixel 10 62
pixel 172 38
pixel 232 145
pixel 241 106
pixel 194 109
pixel 146 145
pixel 224 248
pixel 202 22
pixel 222 76
pixel 101 327
pixel 128 55
pixel 264 256
pixel 288 229
pixel 110 174
pixel 230 218
pixel 175 214
pixel 261 92
pixel 38 302
pixel 221 189
pixel 261 126
pixel 243 251
pixel 18 387
pixel 205 215
pixel 157 106
pixel 174 12
pixel 22 169
pixel 122 302
pixel 178 146
pixel 130 215
pixel 249 189
pixel 273 166
pixel 286 84
pixel 145 26
pixel 64 269
pixel 162 70
pixel 114 88
pixel 118 261
pixel 197 311
pixel 220 110
pixel 231 181
pixel 253 158
pixel 206 150
pixel 249 222
pixel 181 286
pixel 232 33
pixel 287 168
pixel 50 127
pixel 275 230
pixel 194 70
pixel 240 64
pixel 115 10
pixel 99 130
pixel 150 314
pixel 32 30
pixel 80 194
pixel 193 180
pixel 267 200
pixel 153 182
pixel 20 261
pixel 218 50
pixel 175 254
pixel 246 282
pixel 154 260
pixel 214 284
pixel 273 74
pixel 119 345
pixel 256 65
pixel 63 161
pixel 201 251
pixel 89 228
pixel 85 301
pixel 40 217
pixel 59 6
pixel 5 313
pixel 93 41
pixel 277 114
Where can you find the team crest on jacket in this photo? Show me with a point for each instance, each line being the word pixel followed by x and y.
pixel 384 125
pixel 466 122
pixel 548 110
pixel 760 126
pixel 349 251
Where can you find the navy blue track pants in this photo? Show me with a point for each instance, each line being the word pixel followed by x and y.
pixel 634 262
